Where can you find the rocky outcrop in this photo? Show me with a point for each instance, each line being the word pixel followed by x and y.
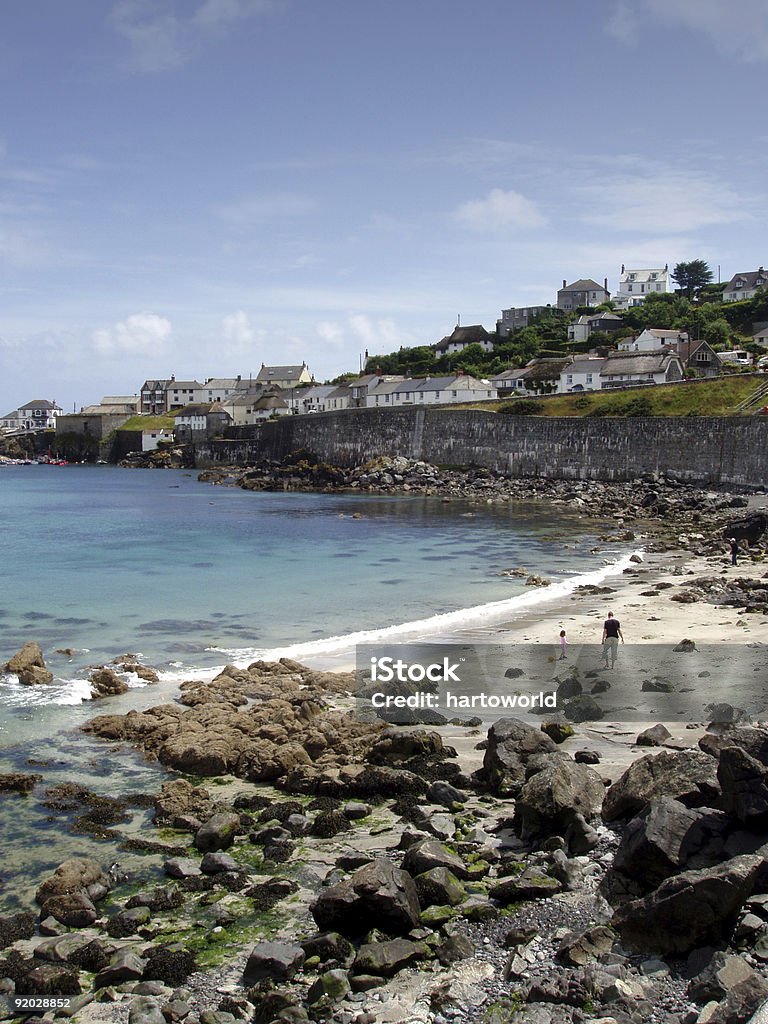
pixel 29 666
pixel 260 723
pixel 106 683
pixel 691 909
pixel 558 798
pixel 687 776
pixel 511 743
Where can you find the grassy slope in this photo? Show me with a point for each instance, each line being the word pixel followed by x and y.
pixel 705 398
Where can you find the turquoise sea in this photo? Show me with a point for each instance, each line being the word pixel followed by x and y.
pixel 104 561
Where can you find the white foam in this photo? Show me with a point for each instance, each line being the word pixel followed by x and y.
pixel 60 691
pixel 436 625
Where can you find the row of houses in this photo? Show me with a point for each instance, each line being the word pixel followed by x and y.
pixel 635 285
pixel 653 357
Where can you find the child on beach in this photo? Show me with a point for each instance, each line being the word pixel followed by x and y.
pixel 563 644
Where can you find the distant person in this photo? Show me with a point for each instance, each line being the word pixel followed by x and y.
pixel 563 644
pixel 733 545
pixel 611 634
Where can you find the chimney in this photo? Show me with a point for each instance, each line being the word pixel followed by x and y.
pixel 564 284
pixel 605 284
pixel 622 268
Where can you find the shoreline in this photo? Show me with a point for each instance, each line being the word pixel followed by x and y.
pixel 293 858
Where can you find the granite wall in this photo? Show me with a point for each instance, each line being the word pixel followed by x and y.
pixel 714 450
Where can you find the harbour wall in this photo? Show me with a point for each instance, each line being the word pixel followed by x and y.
pixel 708 450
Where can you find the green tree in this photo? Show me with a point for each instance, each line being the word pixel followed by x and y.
pixel 717 332
pixel 692 276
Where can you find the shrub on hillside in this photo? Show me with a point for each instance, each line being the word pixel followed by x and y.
pixel 522 407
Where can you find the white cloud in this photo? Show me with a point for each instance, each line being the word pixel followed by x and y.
pixel 362 332
pixel 164 34
pixel 138 333
pixel 741 30
pixel 663 201
pixel 622 23
pixel 238 330
pixel 498 211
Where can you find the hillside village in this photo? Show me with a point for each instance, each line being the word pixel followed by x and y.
pixel 648 332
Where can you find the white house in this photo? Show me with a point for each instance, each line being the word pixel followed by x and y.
pixel 636 285
pixel 579 329
pixel 624 369
pixel 150 439
pixel 339 398
pixel 201 420
pixel 39 414
pixel 652 338
pixel 539 377
pixel 179 393
pixel 744 286
pixel 581 375
pixel 456 388
pixel 380 396
pixel 461 337
pixel 216 389
pixel 621 370
pixel 586 325
pixel 313 399
pixel 760 337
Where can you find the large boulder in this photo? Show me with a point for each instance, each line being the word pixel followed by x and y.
pixel 552 798
pixel 105 682
pixel 387 958
pixel 179 801
pixel 686 775
pixel 377 895
pixel 511 743
pixel 79 874
pixel 428 854
pixel 695 908
pixel 29 666
pixel 667 837
pixel 276 961
pixel 218 833
pixel 75 909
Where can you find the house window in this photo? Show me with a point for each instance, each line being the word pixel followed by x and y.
pixel 589 378
pixel 569 378
pixel 455 394
pixel 629 287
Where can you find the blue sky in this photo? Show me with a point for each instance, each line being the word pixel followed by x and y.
pixel 199 186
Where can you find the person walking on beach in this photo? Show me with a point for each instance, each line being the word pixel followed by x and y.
pixel 563 644
pixel 611 634
pixel 733 544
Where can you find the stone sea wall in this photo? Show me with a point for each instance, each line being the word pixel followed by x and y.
pixel 710 450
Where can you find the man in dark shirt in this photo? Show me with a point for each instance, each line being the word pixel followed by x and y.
pixel 611 634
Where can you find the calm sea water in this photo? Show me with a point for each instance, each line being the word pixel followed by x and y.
pixel 106 561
